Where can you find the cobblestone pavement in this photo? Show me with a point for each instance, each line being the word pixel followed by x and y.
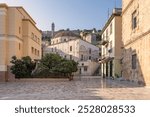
pixel 78 89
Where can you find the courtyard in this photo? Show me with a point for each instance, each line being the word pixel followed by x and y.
pixel 78 89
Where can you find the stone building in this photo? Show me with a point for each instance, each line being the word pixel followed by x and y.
pixel 91 36
pixel 136 40
pixel 111 45
pixel 19 37
pixel 70 46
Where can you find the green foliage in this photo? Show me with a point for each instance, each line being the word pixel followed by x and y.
pixel 65 66
pixel 50 65
pixel 55 65
pixel 22 67
pixel 50 60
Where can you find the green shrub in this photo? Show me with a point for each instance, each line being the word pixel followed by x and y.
pixel 22 67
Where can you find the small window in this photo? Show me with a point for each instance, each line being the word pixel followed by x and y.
pixel 81 57
pixel 65 56
pixel 32 50
pixel 110 28
pixel 89 57
pixel 32 35
pixel 64 40
pixel 134 19
pixel 85 68
pixel 70 48
pixel 70 57
pixel 90 51
pixel 19 46
pixel 134 61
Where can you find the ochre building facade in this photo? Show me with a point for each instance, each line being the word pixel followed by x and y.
pixel 19 37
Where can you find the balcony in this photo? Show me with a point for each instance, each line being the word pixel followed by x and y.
pixel 104 42
pixel 105 58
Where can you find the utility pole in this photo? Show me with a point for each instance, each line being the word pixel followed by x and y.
pixel 115 3
pixel 108 13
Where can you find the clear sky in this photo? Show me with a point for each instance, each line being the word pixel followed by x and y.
pixel 72 14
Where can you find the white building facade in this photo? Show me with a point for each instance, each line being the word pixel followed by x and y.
pixel 72 47
pixel 111 45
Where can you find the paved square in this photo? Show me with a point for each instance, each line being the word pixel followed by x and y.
pixel 78 89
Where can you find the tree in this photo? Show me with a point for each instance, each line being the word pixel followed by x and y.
pixel 50 60
pixel 66 67
pixel 22 67
pixel 56 65
pixel 49 65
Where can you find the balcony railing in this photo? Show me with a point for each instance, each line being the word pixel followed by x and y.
pixel 104 42
pixel 105 58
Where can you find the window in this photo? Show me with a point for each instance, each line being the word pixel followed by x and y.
pixel 82 57
pixel 52 49
pixel 32 50
pixel 65 56
pixel 70 57
pixel 134 19
pixel 89 57
pixel 110 28
pixel 32 35
pixel 85 68
pixel 134 61
pixel 19 46
pixel 64 40
pixel 90 51
pixel 70 48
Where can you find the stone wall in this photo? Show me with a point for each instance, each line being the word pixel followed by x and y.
pixel 136 41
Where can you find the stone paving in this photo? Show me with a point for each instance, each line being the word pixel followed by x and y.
pixel 78 89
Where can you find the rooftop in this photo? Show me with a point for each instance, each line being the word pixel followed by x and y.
pixel 66 33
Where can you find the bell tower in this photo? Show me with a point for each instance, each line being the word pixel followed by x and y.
pixel 53 29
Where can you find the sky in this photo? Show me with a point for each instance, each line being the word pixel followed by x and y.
pixel 72 14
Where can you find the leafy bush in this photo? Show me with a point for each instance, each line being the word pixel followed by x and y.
pixel 51 65
pixel 22 67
